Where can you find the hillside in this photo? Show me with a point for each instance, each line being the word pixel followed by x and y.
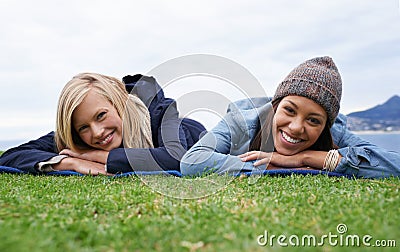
pixel 385 117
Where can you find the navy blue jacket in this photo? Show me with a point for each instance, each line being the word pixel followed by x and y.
pixel 171 135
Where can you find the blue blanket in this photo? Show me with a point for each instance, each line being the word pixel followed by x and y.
pixel 280 172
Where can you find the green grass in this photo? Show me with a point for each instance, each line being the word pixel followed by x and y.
pixel 49 213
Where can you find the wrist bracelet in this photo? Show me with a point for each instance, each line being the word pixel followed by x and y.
pixel 331 160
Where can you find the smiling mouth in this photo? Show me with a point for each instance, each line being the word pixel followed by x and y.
pixel 290 139
pixel 107 139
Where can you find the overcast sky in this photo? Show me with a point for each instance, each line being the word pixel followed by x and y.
pixel 44 43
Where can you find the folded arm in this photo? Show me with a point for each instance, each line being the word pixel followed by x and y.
pixel 27 156
pixel 40 155
pixel 171 146
pixel 362 158
pixel 215 153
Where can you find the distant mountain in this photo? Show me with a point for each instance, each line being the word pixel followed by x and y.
pixel 387 111
pixel 381 117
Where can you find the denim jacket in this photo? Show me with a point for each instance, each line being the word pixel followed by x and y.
pixel 217 150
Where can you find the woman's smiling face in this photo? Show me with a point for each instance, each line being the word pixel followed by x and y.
pixel 97 122
pixel 298 122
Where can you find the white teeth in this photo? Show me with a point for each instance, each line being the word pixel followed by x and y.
pixel 106 139
pixel 289 139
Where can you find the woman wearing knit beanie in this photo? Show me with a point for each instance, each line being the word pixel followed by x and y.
pixel 299 128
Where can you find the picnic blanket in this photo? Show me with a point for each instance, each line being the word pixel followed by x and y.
pixel 278 172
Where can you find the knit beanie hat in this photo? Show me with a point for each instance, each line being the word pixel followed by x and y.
pixel 317 79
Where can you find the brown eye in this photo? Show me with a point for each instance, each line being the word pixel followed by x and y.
pixel 289 110
pixel 315 121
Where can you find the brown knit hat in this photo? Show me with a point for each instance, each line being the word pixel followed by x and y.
pixel 317 79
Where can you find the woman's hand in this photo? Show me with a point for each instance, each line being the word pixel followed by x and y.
pixel 293 161
pixel 271 158
pixel 262 157
pixel 99 156
pixel 275 160
pixel 80 165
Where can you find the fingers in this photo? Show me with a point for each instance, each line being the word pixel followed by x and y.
pixel 68 152
pixel 64 152
pixel 83 166
pixel 264 161
pixel 248 153
pixel 255 155
pixel 248 156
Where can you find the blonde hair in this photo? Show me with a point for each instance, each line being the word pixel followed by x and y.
pixel 136 129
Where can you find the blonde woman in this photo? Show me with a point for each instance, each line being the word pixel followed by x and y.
pixel 104 126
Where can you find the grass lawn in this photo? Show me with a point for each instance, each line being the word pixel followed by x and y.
pixel 50 213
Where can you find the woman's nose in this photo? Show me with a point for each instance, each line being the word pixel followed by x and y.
pixel 296 126
pixel 97 130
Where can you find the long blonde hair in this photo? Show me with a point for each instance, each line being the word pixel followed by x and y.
pixel 136 129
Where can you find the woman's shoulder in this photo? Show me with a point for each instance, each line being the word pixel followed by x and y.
pixel 144 87
pixel 248 104
pixel 247 113
pixel 340 123
pixel 132 81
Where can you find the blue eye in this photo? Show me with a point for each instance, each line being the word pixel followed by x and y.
pixel 82 128
pixel 101 115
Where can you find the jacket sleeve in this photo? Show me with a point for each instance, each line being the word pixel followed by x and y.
pixel 26 156
pixel 171 147
pixel 360 157
pixel 169 137
pixel 211 154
